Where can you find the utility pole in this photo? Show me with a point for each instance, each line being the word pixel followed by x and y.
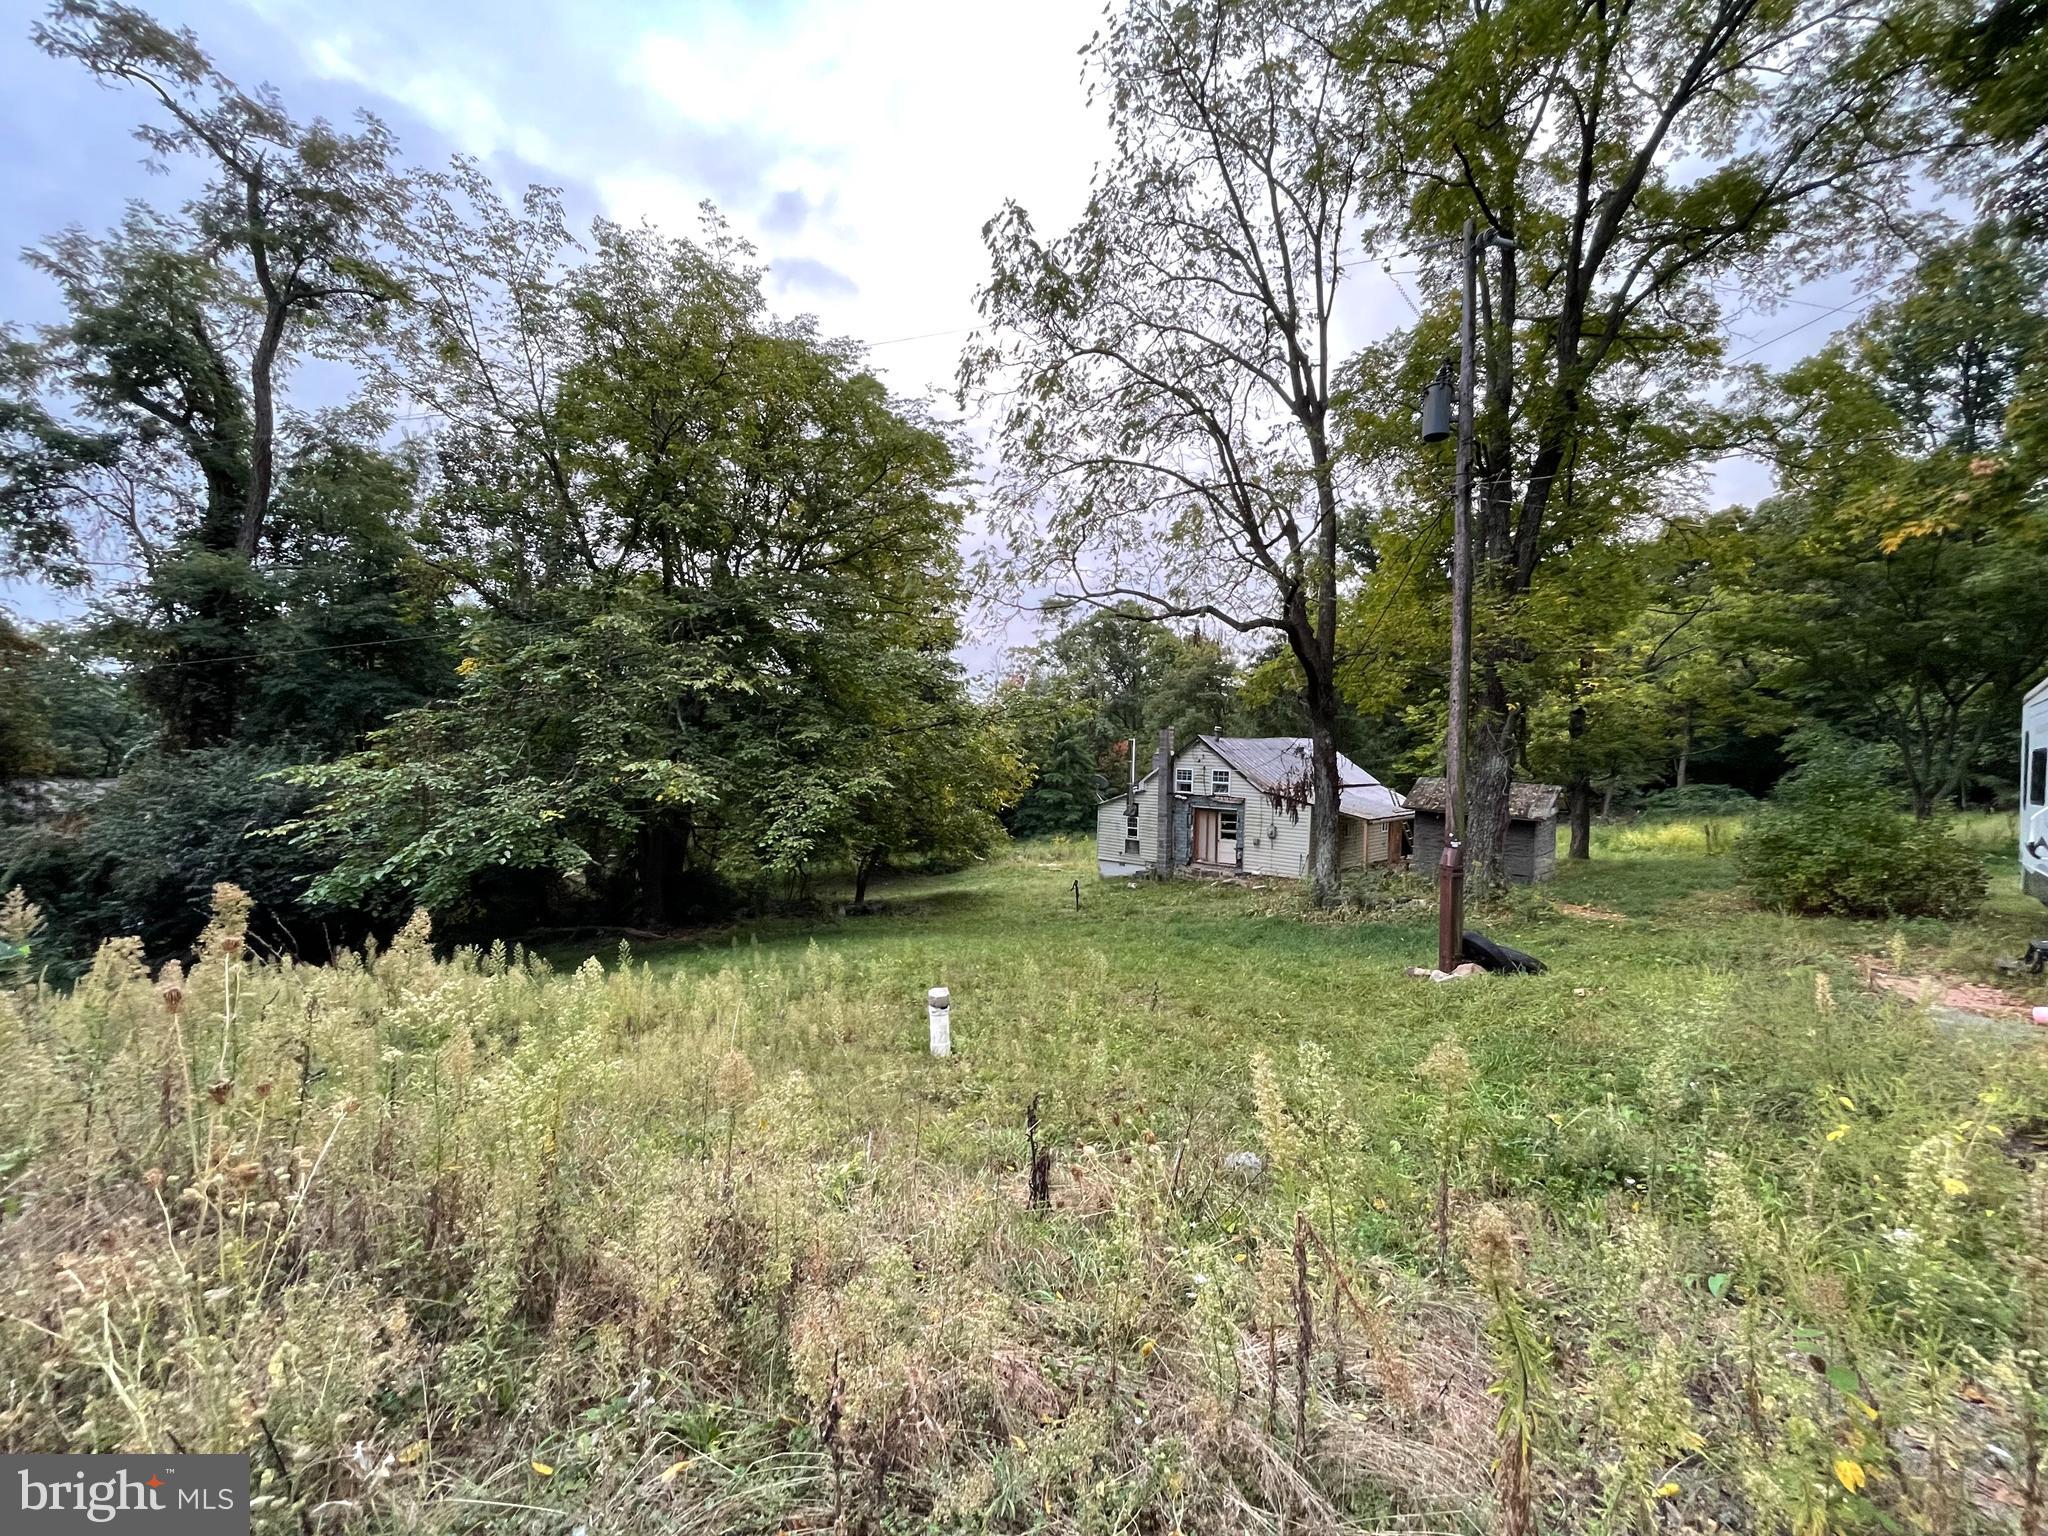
pixel 1436 409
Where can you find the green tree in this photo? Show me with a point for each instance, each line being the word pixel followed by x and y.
pixel 1163 372
pixel 1898 575
pixel 1638 156
pixel 714 575
pixel 181 328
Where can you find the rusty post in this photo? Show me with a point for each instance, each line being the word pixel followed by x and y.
pixel 1450 906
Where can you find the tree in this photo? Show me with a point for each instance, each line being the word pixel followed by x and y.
pixel 1638 155
pixel 181 328
pixel 1898 575
pixel 714 574
pixel 1164 371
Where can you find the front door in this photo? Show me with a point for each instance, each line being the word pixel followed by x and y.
pixel 1206 837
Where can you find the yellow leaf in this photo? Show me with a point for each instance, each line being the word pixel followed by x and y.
pixel 1849 1474
pixel 412 1453
pixel 1667 1490
pixel 543 1469
pixel 1838 1133
pixel 1954 1186
pixel 1845 1101
pixel 674 1470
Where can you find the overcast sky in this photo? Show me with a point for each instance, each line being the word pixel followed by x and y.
pixel 859 143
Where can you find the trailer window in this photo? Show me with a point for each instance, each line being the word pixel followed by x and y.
pixel 2037 776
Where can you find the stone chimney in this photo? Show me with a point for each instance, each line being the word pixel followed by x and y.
pixel 1162 805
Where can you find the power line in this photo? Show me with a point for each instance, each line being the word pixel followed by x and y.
pixel 1771 341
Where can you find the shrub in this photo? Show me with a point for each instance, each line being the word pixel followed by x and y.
pixel 1834 840
pixel 142 858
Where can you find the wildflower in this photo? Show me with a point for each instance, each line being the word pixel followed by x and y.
pixel 1492 1239
pixel 170 986
pixel 1447 1068
pixel 220 1090
pixel 19 918
pixel 1838 1133
pixel 734 1084
pixel 543 1469
pixel 1823 994
pixel 1667 1491
pixel 1951 1185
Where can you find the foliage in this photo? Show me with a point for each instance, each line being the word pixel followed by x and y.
pixel 141 858
pixel 717 580
pixel 1163 373
pixel 1833 840
pixel 1896 579
pixel 1638 156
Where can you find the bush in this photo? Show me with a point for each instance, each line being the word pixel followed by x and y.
pixel 1834 840
pixel 143 858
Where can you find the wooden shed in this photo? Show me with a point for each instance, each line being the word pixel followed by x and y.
pixel 1532 828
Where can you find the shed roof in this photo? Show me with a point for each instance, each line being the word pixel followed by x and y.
pixel 1526 802
pixel 1279 765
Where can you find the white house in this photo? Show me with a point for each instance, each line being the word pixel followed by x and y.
pixel 1225 805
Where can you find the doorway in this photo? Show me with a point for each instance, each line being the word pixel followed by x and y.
pixel 1207 837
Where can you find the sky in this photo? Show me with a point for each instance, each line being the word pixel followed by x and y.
pixel 860 144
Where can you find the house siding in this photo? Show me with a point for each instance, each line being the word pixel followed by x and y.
pixel 1531 850
pixel 1110 858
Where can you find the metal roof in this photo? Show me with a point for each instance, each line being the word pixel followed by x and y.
pixel 1526 801
pixel 1279 765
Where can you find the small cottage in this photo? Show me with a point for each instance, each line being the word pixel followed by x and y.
pixel 1241 805
pixel 1531 849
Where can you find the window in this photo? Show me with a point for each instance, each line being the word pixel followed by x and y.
pixel 1227 826
pixel 1183 781
pixel 1219 781
pixel 1130 831
pixel 2037 776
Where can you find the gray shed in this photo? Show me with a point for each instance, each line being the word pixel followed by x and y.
pixel 1532 828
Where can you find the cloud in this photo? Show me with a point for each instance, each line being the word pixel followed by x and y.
pixel 800 273
pixel 786 213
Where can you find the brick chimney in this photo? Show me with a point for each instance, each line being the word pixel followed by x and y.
pixel 1162 805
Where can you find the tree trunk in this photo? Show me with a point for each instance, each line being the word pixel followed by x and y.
pixel 863 867
pixel 1491 775
pixel 1607 799
pixel 664 850
pixel 1581 798
pixel 1684 747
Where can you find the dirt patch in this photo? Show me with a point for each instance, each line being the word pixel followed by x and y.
pixel 1590 914
pixel 1946 992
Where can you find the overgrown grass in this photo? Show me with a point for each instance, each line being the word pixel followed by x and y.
pixel 704 1240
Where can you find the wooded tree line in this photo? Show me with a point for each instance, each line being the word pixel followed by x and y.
pixel 600 594
pixel 1183 433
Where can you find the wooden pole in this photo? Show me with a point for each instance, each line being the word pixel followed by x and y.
pixel 1450 926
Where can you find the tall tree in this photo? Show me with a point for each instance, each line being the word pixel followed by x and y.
pixel 181 329
pixel 1164 371
pixel 1897 577
pixel 1638 154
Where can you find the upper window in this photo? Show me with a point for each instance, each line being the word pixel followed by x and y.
pixel 2037 776
pixel 1219 781
pixel 1184 781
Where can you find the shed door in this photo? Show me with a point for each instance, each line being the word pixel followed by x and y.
pixel 1206 837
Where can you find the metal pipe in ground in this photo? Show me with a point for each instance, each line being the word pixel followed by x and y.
pixel 1450 906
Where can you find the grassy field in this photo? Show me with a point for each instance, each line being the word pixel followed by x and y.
pixel 1694 1232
